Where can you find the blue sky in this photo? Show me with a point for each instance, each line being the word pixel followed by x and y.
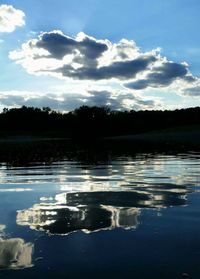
pixel 158 78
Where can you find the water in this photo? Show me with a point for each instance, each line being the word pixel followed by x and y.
pixel 125 217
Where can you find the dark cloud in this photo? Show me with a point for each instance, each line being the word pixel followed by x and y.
pixel 138 84
pixel 120 70
pixel 85 52
pixel 86 58
pixel 56 44
pixel 102 98
pixel 105 98
pixel 83 57
pixel 162 76
pixel 10 100
pixel 192 91
pixel 69 102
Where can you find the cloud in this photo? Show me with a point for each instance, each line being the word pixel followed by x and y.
pixel 82 57
pixel 85 60
pixel 120 100
pixel 10 18
pixel 121 70
pixel 163 76
pixel 192 91
pixel 59 45
pixel 63 219
pixel 88 59
pixel 116 100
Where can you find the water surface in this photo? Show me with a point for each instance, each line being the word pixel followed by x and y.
pixel 123 217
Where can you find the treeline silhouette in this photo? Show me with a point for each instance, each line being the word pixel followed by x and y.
pixel 93 121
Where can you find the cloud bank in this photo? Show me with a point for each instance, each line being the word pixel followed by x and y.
pixel 10 18
pixel 70 101
pixel 93 65
pixel 86 58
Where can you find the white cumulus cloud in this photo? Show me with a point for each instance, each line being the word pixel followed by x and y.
pixel 10 18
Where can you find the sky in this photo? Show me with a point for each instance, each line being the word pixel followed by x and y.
pixel 130 54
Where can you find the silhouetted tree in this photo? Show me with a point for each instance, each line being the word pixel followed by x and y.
pixel 89 122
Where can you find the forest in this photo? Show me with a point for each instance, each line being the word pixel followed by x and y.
pixel 93 121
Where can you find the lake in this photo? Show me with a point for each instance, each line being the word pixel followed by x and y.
pixel 128 216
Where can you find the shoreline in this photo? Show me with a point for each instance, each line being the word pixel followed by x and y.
pixel 185 137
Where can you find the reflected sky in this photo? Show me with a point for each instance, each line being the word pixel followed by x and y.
pixel 146 198
pixel 113 174
pixel 15 253
pixel 67 219
pixel 106 196
pixel 94 211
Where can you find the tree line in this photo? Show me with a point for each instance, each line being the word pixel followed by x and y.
pixel 94 121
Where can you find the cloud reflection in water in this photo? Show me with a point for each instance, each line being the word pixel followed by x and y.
pixel 15 253
pixel 94 211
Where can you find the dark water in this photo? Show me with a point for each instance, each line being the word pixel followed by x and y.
pixel 126 217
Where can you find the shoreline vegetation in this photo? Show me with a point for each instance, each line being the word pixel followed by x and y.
pixel 33 134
